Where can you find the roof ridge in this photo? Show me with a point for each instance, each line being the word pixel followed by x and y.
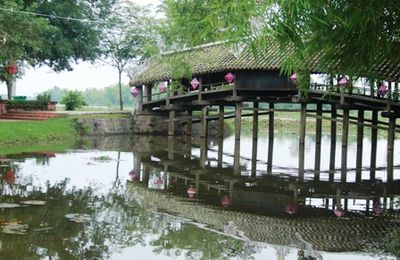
pixel 202 46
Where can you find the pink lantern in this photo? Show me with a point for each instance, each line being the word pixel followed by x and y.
pixel 291 209
pixel 382 89
pixel 225 201
pixel 135 91
pixel 195 83
pixel 339 212
pixel 293 77
pixel 229 77
pixel 191 191
pixel 343 81
pixel 162 87
pixel 11 69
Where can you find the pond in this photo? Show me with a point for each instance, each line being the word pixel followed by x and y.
pixel 180 198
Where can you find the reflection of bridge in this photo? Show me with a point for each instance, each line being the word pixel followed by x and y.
pixel 174 162
pixel 256 85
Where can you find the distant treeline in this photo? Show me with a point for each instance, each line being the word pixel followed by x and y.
pixel 108 96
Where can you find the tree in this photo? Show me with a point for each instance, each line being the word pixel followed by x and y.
pixel 53 33
pixel 129 39
pixel 352 37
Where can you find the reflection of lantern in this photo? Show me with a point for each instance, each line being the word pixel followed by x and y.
pixel 229 77
pixel 291 209
pixel 382 89
pixel 11 69
pixel 162 87
pixel 9 177
pixel 293 77
pixel 339 212
pixel 377 209
pixel 225 201
pixel 134 176
pixel 343 81
pixel 135 91
pixel 195 83
pixel 191 191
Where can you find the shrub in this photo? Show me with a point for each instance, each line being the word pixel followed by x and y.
pixel 73 99
pixel 43 98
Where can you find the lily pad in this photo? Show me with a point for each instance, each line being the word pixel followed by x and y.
pixel 9 205
pixel 33 202
pixel 14 228
pixel 78 217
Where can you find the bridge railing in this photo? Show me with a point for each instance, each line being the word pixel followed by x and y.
pixel 355 90
pixel 179 92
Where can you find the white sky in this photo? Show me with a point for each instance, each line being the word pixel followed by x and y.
pixel 85 75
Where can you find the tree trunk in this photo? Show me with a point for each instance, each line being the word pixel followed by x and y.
pixel 9 89
pixel 121 105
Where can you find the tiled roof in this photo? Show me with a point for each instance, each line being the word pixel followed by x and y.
pixel 219 57
pixel 211 58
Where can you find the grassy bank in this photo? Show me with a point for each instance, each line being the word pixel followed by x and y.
pixel 52 135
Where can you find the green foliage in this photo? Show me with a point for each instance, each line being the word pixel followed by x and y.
pixel 73 99
pixel 43 98
pixel 26 104
pixel 107 96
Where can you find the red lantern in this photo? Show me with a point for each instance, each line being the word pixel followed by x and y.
pixel 343 81
pixel 229 77
pixel 195 83
pixel 9 177
pixel 162 87
pixel 225 201
pixel 293 77
pixel 291 209
pixel 11 69
pixel 135 91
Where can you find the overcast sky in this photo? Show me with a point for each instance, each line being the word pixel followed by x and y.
pixel 84 75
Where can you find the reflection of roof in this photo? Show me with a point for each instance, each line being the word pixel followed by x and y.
pixel 211 58
pixel 219 57
pixel 321 233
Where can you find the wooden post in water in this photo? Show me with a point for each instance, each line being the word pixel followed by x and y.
pixel 318 135
pixel 171 147
pixel 333 143
pixel 220 151
pixel 189 126
pixel 360 137
pixel 204 122
pixel 203 152
pixel 188 146
pixel 374 141
pixel 345 137
pixel 390 147
pixel 238 120
pixel 302 136
pixel 171 123
pixel 221 121
pixel 255 140
pixel 271 118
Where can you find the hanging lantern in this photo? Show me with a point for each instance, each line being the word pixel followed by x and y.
pixel 339 212
pixel 229 77
pixel 291 209
pixel 195 83
pixel 343 81
pixel 162 87
pixel 191 191
pixel 9 177
pixel 293 77
pixel 135 91
pixel 225 201
pixel 11 69
pixel 382 89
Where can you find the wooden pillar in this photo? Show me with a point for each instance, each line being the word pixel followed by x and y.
pixel 189 128
pixel 390 147
pixel 345 136
pixel 360 137
pixel 221 121
pixel 203 152
pixel 171 147
pixel 333 144
pixel 139 101
pixel 255 140
pixel 236 159
pixel 199 94
pixel 271 118
pixel 238 120
pixel 148 93
pixel 318 135
pixel 220 151
pixel 188 146
pixel 374 141
pixel 204 123
pixel 171 123
pixel 302 136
